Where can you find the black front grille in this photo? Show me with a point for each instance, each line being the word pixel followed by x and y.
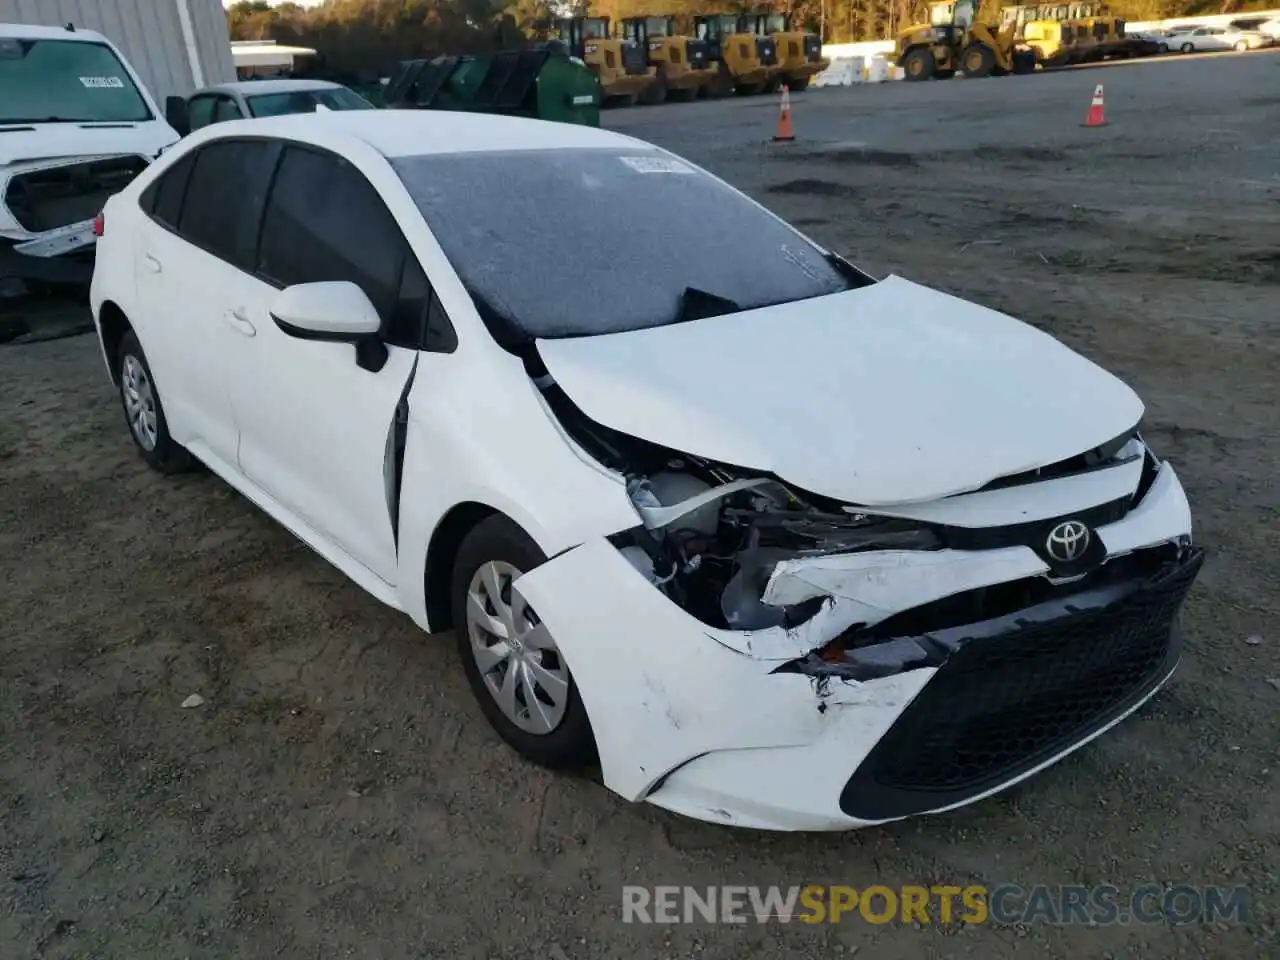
pixel 634 58
pixel 697 53
pixel 47 199
pixel 1004 703
pixel 767 49
pixel 812 48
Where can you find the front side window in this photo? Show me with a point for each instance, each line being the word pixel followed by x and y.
pixel 326 222
pixel 200 111
pixel 66 81
pixel 224 198
pixel 565 243
pixel 226 109
pixel 305 101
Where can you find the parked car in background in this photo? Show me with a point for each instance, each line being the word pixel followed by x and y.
pixel 780 544
pixel 1267 26
pixel 1209 38
pixel 76 125
pixel 248 99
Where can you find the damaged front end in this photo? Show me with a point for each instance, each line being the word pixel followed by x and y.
pixel 862 666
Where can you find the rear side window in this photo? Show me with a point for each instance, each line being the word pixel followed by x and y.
pixel 326 222
pixel 163 199
pixel 225 196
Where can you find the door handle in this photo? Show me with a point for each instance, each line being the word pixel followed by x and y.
pixel 240 322
pixel 152 263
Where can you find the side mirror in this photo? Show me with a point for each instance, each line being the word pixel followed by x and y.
pixel 175 113
pixel 333 312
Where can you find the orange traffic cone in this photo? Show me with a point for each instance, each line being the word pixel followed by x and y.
pixel 785 133
pixel 1097 115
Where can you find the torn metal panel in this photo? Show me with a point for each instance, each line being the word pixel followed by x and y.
pixel 884 582
pixel 661 688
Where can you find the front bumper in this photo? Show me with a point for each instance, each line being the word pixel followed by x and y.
pixel 715 725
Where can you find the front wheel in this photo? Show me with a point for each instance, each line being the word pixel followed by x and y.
pixel 143 411
pixel 919 64
pixel 1188 48
pixel 511 660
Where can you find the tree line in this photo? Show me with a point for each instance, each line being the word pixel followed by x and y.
pixel 358 35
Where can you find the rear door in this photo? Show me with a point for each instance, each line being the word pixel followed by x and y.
pixel 317 429
pixel 200 235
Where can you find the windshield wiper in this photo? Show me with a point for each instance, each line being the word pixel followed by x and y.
pixel 698 304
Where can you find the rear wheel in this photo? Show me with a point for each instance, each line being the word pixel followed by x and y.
pixel 919 64
pixel 511 660
pixel 143 411
pixel 977 60
pixel 1163 48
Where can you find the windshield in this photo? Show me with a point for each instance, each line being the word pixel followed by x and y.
pixel 775 23
pixel 304 101
pixel 656 26
pixel 940 14
pixel 65 80
pixel 566 243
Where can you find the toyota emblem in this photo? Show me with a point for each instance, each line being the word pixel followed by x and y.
pixel 1067 541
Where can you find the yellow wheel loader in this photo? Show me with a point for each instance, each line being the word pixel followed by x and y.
pixel 622 66
pixel 953 40
pixel 799 53
pixel 745 63
pixel 682 63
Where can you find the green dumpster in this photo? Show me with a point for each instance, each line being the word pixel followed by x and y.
pixel 524 83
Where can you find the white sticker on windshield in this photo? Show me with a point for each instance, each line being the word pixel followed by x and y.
pixel 656 165
pixel 103 83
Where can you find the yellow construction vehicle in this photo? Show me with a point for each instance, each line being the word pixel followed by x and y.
pixel 682 63
pixel 745 63
pixel 1063 43
pixel 622 66
pixel 799 53
pixel 953 39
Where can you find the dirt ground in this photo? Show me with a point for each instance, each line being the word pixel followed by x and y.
pixel 339 795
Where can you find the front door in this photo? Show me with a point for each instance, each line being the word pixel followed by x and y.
pixel 316 428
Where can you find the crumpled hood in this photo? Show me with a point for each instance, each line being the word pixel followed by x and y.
pixel 34 145
pixel 890 394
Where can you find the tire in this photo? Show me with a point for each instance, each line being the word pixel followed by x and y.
pixel 1024 62
pixel 656 92
pixel 919 64
pixel 977 60
pixel 1163 48
pixel 1242 47
pixel 507 551
pixel 143 411
pixel 1188 48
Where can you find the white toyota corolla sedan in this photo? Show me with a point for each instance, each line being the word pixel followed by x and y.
pixel 782 545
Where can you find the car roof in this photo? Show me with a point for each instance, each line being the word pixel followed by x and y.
pixel 251 87
pixel 403 133
pixel 23 31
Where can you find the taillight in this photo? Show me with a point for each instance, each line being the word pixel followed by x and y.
pixel 99 224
